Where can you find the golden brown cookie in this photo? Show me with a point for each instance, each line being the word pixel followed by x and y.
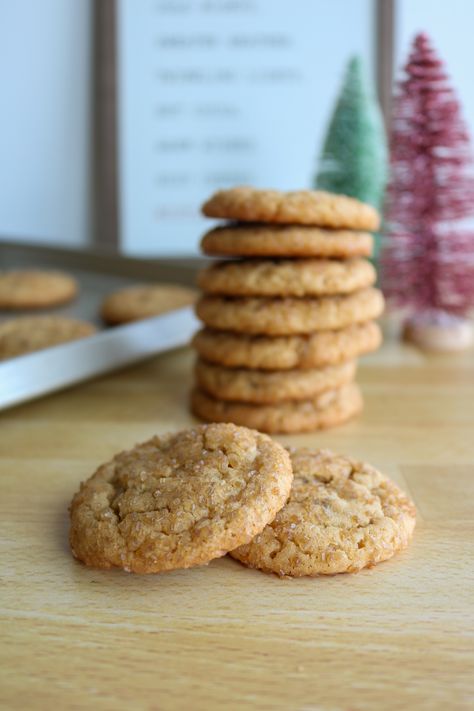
pixel 33 333
pixel 138 302
pixel 179 500
pixel 256 240
pixel 329 409
pixel 314 350
pixel 259 386
pixel 341 516
pixel 287 277
pixel 301 207
pixel 285 316
pixel 35 289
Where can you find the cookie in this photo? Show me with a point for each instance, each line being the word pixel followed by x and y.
pixel 35 289
pixel 285 316
pixel 256 240
pixel 315 350
pixel 329 409
pixel 287 277
pixel 33 333
pixel 341 516
pixel 138 302
pixel 301 207
pixel 259 386
pixel 179 500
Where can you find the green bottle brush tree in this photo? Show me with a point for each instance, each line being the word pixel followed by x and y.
pixel 354 155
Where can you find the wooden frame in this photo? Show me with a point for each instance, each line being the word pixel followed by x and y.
pixel 384 52
pixel 106 223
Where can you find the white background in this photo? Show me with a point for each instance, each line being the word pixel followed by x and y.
pixel 450 25
pixel 45 136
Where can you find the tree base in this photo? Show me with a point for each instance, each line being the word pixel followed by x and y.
pixel 439 332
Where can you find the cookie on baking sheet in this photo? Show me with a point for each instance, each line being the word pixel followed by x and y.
pixel 341 516
pixel 35 289
pixel 301 207
pixel 289 315
pixel 256 240
pixel 287 277
pixel 138 302
pixel 314 350
pixel 33 333
pixel 329 409
pixel 261 386
pixel 180 500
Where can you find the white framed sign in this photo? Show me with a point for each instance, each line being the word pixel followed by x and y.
pixel 215 93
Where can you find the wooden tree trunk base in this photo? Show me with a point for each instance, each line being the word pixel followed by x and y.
pixel 439 332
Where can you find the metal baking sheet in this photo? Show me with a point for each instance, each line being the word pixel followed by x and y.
pixel 29 376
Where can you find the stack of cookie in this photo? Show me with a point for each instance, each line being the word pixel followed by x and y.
pixel 286 321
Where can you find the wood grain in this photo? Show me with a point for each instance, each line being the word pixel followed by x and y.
pixel 399 636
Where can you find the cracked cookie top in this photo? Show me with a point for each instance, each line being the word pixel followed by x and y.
pixel 138 302
pixel 306 207
pixel 273 316
pixel 32 333
pixel 286 277
pixel 341 516
pixel 35 288
pixel 241 239
pixel 180 500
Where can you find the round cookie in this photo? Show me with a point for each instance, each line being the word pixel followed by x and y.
pixel 329 409
pixel 256 240
pixel 314 350
pixel 179 500
pixel 341 516
pixel 289 277
pixel 33 333
pixel 35 289
pixel 301 207
pixel 259 386
pixel 285 316
pixel 138 302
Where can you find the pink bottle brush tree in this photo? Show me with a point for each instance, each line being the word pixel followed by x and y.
pixel 428 258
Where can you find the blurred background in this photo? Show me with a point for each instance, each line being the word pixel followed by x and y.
pixel 120 116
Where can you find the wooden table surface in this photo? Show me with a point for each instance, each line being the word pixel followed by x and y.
pixel 399 636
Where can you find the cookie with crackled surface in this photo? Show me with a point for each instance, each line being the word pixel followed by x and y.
pixel 258 240
pixel 341 516
pixel 33 333
pixel 286 277
pixel 35 289
pixel 285 316
pixel 138 302
pixel 270 387
pixel 329 409
pixel 314 350
pixel 305 207
pixel 179 500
